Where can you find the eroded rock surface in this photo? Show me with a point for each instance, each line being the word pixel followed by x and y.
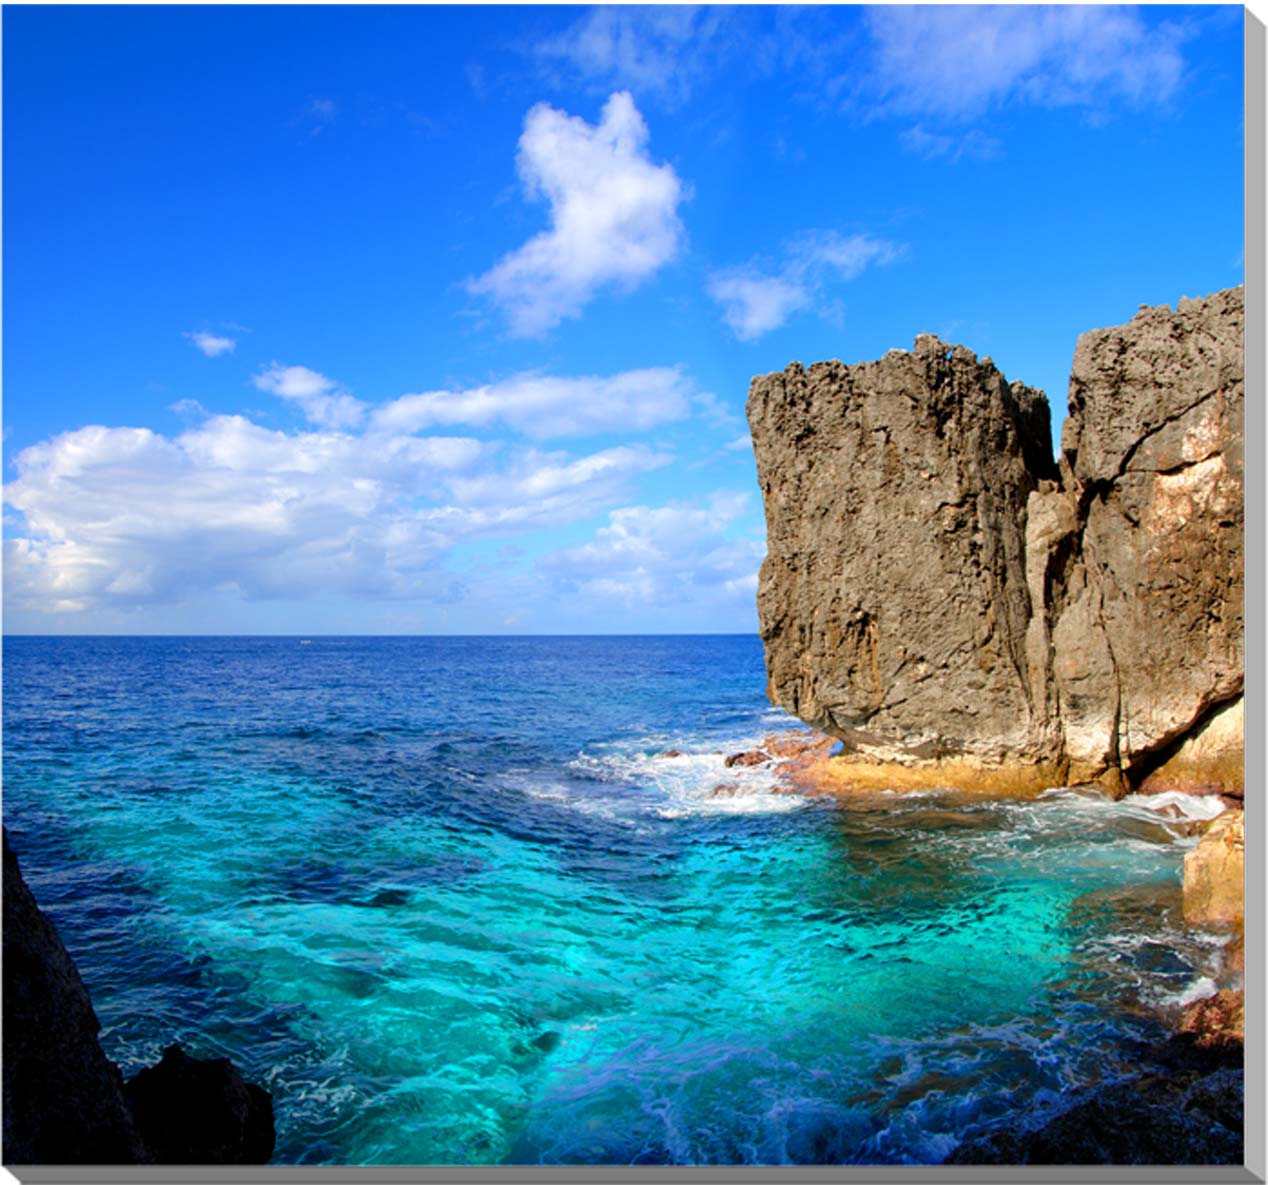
pixel 1217 1022
pixel 945 599
pixel 1214 873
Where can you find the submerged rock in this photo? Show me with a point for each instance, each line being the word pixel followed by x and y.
pixel 748 757
pixel 950 603
pixel 1154 1119
pixel 193 1111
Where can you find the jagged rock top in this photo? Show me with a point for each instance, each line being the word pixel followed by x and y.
pixel 891 487
pixel 935 588
pixel 1129 382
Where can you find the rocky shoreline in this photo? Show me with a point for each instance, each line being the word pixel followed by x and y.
pixel 65 1102
pixel 963 612
pixel 1190 1109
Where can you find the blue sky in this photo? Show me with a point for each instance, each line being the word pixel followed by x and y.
pixel 441 320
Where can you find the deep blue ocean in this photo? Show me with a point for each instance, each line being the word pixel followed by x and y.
pixel 446 899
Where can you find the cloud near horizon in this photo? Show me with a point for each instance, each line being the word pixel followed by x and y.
pixel 613 216
pixel 357 505
pixel 660 555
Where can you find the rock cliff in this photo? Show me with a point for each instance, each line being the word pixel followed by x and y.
pixel 957 606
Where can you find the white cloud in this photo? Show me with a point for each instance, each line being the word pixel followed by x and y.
pixel 106 519
pixel 755 301
pixel 190 408
pixel 321 399
pixel 210 344
pixel 114 517
pixel 658 51
pixel 613 215
pixel 544 489
pixel 543 406
pixel 687 553
pixel 974 144
pixel 958 60
pixel 828 251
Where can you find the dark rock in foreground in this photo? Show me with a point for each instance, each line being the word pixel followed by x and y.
pixel 1155 1119
pixel 191 1111
pixel 65 1102
pixel 63 1098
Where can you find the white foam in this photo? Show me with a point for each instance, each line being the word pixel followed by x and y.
pixel 675 787
pixel 1201 988
pixel 1191 806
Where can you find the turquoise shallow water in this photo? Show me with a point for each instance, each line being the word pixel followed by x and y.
pixel 446 899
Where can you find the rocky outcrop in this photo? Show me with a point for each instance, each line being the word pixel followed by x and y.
pixel 1187 1107
pixel 192 1111
pixel 65 1102
pixel 1217 1023
pixel 1152 1119
pixel 951 603
pixel 63 1098
pixel 1214 873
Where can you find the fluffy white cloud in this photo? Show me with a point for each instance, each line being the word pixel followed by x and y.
pixel 957 61
pixel 542 407
pixel 210 344
pixel 321 399
pixel 656 555
pixel 117 516
pixel 755 301
pixel 613 215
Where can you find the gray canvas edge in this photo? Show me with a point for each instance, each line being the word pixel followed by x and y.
pixel 1256 487
pixel 1256 1151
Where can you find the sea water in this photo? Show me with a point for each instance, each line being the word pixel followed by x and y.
pixel 450 902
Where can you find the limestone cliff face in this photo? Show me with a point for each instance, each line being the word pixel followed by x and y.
pixel 939 593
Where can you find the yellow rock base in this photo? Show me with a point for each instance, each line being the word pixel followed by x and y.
pixel 848 776
pixel 1212 761
pixel 1214 873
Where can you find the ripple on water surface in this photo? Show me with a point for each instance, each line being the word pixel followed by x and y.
pixel 450 900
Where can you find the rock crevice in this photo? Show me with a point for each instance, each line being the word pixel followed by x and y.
pixel 938 588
